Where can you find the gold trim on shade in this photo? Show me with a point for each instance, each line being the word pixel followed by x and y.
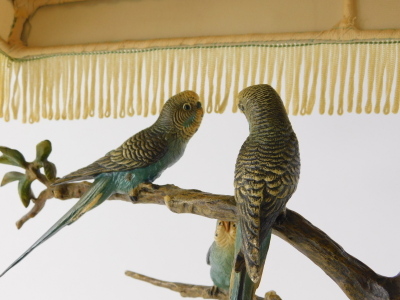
pixel 335 71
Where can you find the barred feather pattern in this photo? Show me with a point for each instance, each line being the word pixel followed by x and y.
pixel 178 122
pixel 267 170
pixel 142 149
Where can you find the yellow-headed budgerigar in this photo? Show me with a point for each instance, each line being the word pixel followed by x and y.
pixel 221 254
pixel 142 158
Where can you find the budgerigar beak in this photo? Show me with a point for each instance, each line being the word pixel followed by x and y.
pixel 226 225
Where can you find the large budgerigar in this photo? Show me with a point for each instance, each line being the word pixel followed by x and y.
pixel 266 176
pixel 221 254
pixel 142 158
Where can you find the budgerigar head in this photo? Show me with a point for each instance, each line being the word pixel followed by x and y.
pixel 225 233
pixel 262 104
pixel 182 114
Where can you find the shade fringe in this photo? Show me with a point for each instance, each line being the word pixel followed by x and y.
pixel 334 76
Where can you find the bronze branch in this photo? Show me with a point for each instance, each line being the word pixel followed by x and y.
pixel 194 291
pixel 355 279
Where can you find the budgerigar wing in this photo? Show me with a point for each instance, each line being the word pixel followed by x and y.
pixel 141 150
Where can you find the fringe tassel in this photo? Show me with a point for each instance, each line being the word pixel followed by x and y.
pixel 396 104
pixel 352 52
pixel 342 77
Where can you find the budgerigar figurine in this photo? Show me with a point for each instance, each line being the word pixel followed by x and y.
pixel 142 158
pixel 221 254
pixel 266 175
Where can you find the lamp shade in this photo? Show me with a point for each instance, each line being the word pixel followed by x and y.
pixel 118 58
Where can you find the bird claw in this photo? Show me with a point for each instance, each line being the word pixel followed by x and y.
pixel 214 291
pixel 143 187
pixel 146 187
pixel 281 218
pixel 133 194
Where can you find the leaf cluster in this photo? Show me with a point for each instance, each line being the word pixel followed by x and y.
pixel 31 170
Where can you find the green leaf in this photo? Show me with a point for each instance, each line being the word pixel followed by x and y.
pixel 25 191
pixel 11 176
pixel 12 157
pixel 43 150
pixel 5 160
pixel 50 170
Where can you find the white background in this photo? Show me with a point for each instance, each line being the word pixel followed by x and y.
pixel 349 188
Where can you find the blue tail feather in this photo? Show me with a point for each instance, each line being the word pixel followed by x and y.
pixel 241 286
pixel 100 190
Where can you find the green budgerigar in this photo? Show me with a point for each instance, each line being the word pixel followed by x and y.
pixel 266 175
pixel 142 158
pixel 221 254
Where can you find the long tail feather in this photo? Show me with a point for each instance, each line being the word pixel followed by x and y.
pixel 97 194
pixel 242 287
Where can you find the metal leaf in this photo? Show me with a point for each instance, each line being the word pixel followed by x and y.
pixel 12 157
pixel 25 191
pixel 43 150
pixel 11 176
pixel 5 160
pixel 50 170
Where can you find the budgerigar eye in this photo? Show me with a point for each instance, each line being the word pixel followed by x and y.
pixel 187 106
pixel 219 223
pixel 234 225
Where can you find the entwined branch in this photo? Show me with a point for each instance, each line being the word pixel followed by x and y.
pixel 356 279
